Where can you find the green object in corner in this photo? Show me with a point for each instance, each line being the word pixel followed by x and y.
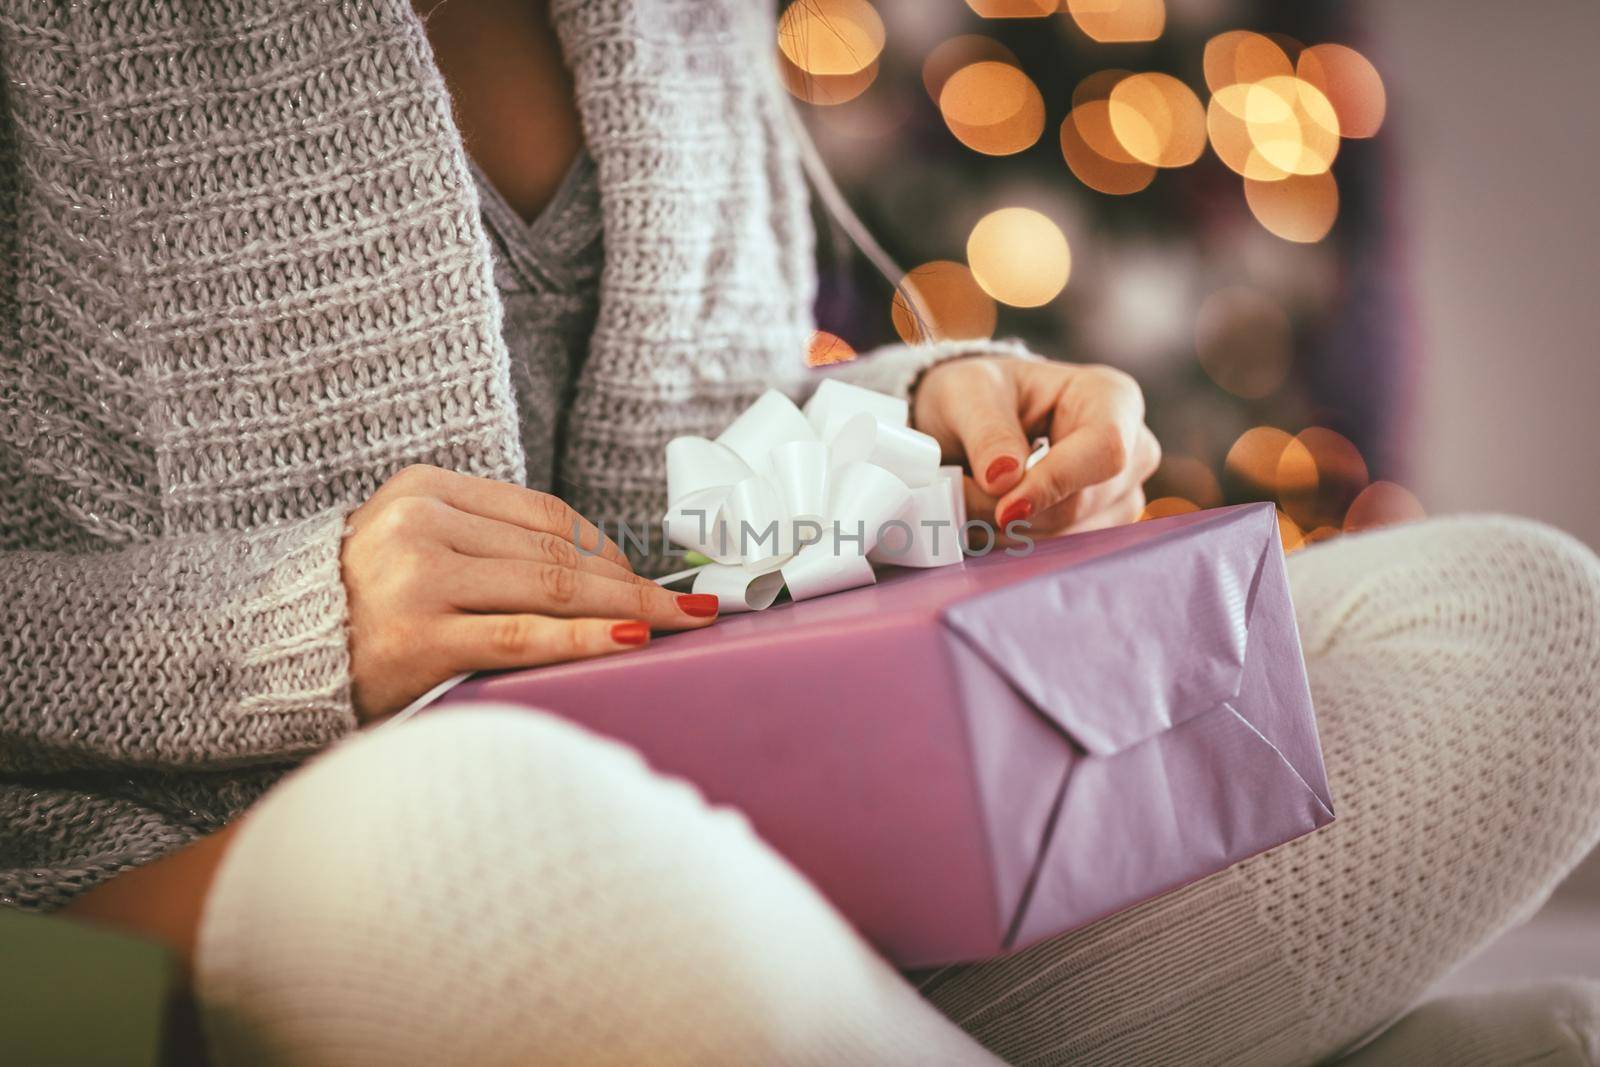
pixel 78 995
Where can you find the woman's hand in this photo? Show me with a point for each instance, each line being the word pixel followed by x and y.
pixel 448 573
pixel 986 410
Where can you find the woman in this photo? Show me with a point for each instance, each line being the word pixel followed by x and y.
pixel 278 361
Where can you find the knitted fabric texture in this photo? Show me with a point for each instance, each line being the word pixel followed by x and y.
pixel 1544 1024
pixel 547 274
pixel 510 889
pixel 243 280
pixel 1455 668
pixel 504 888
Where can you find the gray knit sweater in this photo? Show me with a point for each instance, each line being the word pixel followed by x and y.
pixel 243 280
pixel 547 275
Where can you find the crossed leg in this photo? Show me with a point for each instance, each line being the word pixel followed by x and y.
pixel 1455 667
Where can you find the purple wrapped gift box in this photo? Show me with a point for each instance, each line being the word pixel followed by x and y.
pixel 970 759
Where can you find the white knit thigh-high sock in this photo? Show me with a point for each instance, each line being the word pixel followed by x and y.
pixel 495 886
pixel 1455 666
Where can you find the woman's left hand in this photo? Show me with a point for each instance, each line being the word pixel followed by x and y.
pixel 985 410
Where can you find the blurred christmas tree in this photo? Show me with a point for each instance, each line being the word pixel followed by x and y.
pixel 1187 189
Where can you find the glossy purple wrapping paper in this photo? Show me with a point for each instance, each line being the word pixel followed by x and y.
pixel 970 759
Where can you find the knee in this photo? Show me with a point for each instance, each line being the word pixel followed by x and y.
pixel 1473 639
pixel 491 778
pixel 1527 613
pixel 1520 598
pixel 509 869
pixel 454 865
pixel 484 809
pixel 1528 597
pixel 1542 579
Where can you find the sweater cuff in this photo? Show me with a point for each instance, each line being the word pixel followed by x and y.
pixel 293 692
pixel 895 369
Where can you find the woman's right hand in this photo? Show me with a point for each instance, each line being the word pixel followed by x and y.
pixel 448 573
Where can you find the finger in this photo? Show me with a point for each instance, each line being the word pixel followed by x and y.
pixel 1120 512
pixel 1094 431
pixel 1087 503
pixel 980 505
pixel 1080 506
pixel 513 587
pixel 980 409
pixel 501 642
pixel 1085 457
pixel 1146 455
pixel 980 509
pixel 980 531
pixel 474 535
pixel 506 503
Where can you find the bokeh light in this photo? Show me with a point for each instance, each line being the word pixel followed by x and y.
pixel 1098 86
pixel 1227 324
pixel 952 302
pixel 1253 459
pixel 1289 533
pixel 993 108
pixel 1244 341
pixel 1300 208
pixel 1240 57
pixel 1351 84
pixel 958 52
pixel 1292 125
pixel 1167 506
pixel 1158 120
pixel 825 348
pixel 1098 172
pixel 1382 504
pixel 1186 477
pixel 1118 21
pixel 825 90
pixel 1091 114
pixel 1013 9
pixel 1230 135
pixel 1319 474
pixel 1090 146
pixel 1289 46
pixel 1269 125
pixel 1019 257
pixel 831 37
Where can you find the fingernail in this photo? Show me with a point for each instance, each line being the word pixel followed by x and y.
pixel 700 605
pixel 1000 468
pixel 1015 511
pixel 630 633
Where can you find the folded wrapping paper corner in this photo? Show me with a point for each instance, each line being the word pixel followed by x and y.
pixel 810 499
pixel 1184 672
pixel 1105 691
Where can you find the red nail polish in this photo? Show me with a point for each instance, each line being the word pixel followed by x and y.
pixel 1000 468
pixel 630 633
pixel 700 605
pixel 1015 511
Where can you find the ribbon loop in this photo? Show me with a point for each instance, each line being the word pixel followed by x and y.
pixel 810 500
pixel 800 469
pixel 771 421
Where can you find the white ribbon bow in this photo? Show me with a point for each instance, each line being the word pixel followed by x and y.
pixel 809 500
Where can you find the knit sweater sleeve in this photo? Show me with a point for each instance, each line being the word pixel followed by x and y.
pixel 894 369
pixel 199 651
